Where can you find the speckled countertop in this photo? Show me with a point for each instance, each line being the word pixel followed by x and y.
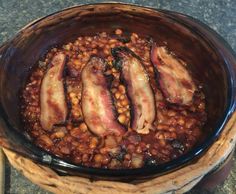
pixel 218 14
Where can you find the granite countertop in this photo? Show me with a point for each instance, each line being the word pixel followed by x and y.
pixel 218 14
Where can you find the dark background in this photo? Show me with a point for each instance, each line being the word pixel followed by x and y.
pixel 220 15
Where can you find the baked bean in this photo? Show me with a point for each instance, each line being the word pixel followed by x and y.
pixel 103 150
pixel 127 157
pixel 93 142
pixel 75 101
pixel 93 45
pixel 113 45
pixel 139 149
pixel 162 127
pixel 122 118
pixel 35 133
pixel 85 157
pixel 162 142
pixel 112 41
pixel 105 160
pixel 83 127
pixel 150 69
pixel 131 148
pixel 121 110
pixel 137 160
pixel 127 116
pixel 106 51
pixel 67 47
pixel 122 97
pixel 75 132
pixel 172 121
pixel 82 148
pixel 77 159
pixel 45 140
pixel 171 129
pixel 124 102
pixel 117 95
pixel 126 163
pixel 159 135
pixel 134 139
pixel 121 89
pixel 58 134
pixel 118 32
pixel 154 152
pixel 171 113
pixel 114 163
pixel 181 121
pixel 65 150
pixel 189 124
pixel 110 141
pixel 75 143
pixel 98 158
pixel 94 51
pixel 113 90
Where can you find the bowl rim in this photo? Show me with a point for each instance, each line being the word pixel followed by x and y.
pixel 53 161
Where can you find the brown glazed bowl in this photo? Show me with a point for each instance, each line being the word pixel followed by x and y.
pixel 211 60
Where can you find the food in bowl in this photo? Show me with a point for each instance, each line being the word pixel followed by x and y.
pixel 114 101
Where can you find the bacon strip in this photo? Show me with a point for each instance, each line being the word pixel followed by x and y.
pixel 138 88
pixel 97 105
pixel 174 79
pixel 52 96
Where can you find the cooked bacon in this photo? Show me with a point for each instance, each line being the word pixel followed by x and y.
pixel 97 105
pixel 52 96
pixel 174 79
pixel 138 88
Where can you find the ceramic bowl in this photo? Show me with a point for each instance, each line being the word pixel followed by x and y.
pixel 211 60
